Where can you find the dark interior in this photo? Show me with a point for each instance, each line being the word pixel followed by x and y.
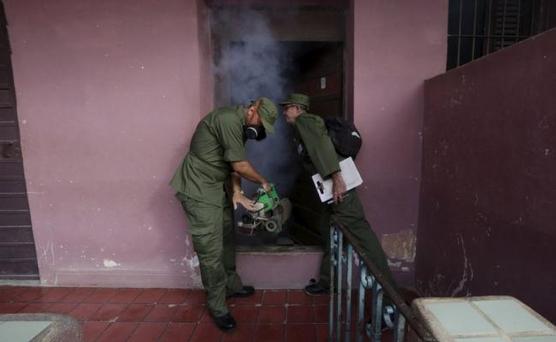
pixel 269 52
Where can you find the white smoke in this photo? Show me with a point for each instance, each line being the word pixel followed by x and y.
pixel 255 64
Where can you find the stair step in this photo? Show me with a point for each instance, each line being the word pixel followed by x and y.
pixel 278 267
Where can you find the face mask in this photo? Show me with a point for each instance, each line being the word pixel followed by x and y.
pixel 254 132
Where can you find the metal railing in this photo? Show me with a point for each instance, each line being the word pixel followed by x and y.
pixel 396 315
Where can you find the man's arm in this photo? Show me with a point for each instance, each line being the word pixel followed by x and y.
pixel 321 151
pixel 247 171
pixel 238 196
pixel 338 186
pixel 230 137
pixel 316 141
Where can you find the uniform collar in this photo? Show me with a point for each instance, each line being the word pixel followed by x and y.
pixel 240 112
pixel 299 117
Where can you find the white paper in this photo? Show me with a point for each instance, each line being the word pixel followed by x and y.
pixel 350 175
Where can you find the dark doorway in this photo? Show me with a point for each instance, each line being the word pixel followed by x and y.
pixel 265 51
pixel 18 258
pixel 316 69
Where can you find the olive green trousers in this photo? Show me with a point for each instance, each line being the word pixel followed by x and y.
pixel 350 214
pixel 212 233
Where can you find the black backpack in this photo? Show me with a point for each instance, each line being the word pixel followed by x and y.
pixel 344 136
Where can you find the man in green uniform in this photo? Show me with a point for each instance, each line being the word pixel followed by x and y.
pixel 318 155
pixel 207 182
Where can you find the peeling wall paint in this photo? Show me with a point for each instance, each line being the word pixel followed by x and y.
pixel 467 272
pixel 110 263
pixel 400 246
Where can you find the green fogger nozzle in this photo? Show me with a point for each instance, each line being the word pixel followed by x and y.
pixel 269 199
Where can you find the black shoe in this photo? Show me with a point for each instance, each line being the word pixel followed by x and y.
pixel 315 288
pixel 245 291
pixel 225 322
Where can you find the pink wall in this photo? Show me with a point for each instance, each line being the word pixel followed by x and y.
pixel 397 45
pixel 108 94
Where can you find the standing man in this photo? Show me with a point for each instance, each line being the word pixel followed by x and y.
pixel 208 179
pixel 318 155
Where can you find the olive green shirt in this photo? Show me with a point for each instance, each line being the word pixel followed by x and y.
pixel 218 140
pixel 318 152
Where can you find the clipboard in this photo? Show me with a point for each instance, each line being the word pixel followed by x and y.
pixel 350 175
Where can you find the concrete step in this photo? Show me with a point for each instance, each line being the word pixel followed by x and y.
pixel 276 267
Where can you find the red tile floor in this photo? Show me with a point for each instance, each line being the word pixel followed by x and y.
pixel 113 315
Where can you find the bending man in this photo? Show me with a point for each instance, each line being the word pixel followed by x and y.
pixel 318 155
pixel 207 182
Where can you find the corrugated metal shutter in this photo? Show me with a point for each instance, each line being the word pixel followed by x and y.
pixel 18 258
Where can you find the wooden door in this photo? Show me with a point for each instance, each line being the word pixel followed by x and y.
pixel 321 77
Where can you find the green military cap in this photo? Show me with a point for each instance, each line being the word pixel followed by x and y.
pixel 268 113
pixel 297 99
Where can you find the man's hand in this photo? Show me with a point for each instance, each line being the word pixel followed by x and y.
pixel 266 186
pixel 338 186
pixel 239 197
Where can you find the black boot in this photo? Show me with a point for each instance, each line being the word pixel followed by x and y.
pixel 245 291
pixel 316 288
pixel 225 322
